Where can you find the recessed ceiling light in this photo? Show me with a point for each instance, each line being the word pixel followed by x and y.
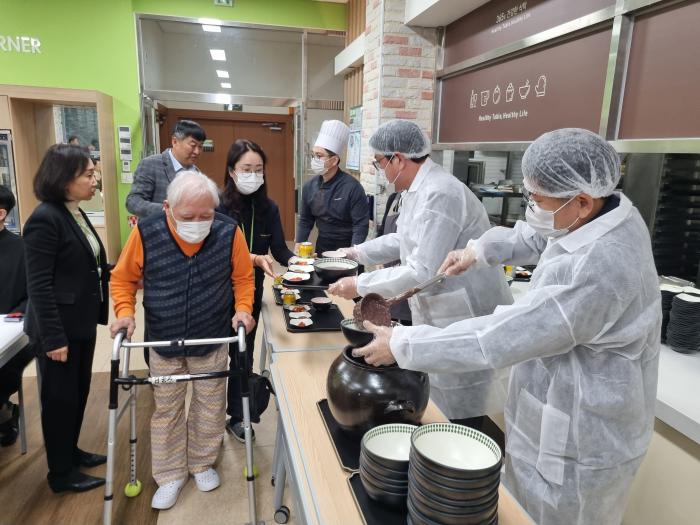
pixel 226 85
pixel 211 29
pixel 218 54
pixel 221 73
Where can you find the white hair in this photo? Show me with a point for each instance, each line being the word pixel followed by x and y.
pixel 191 184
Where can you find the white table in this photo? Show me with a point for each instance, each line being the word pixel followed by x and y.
pixel 12 340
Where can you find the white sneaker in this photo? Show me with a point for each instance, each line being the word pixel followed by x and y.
pixel 207 480
pixel 166 495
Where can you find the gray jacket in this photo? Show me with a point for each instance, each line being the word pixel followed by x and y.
pixel 150 185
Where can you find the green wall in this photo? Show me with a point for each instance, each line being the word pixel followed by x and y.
pixel 88 44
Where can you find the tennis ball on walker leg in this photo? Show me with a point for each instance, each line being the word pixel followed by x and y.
pixel 256 473
pixel 132 490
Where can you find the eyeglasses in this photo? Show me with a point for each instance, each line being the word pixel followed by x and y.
pixel 527 200
pixel 378 163
pixel 315 156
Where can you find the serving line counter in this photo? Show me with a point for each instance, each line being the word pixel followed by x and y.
pixel 305 452
pixel 276 338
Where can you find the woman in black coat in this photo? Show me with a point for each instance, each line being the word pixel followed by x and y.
pixel 67 280
pixel 245 199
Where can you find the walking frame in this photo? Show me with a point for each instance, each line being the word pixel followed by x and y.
pixel 129 384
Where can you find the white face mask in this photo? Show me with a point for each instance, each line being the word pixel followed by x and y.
pixel 192 231
pixel 542 221
pixel 248 183
pixel 318 166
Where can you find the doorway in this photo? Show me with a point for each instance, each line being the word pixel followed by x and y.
pixel 274 134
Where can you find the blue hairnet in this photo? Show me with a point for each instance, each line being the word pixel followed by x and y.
pixel 569 161
pixel 400 136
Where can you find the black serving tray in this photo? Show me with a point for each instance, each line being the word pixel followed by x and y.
pixel 315 283
pixel 347 447
pixel 373 512
pixel 326 321
pixel 306 295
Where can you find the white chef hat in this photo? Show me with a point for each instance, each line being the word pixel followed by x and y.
pixel 333 136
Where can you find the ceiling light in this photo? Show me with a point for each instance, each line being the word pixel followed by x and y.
pixel 211 29
pixel 221 73
pixel 226 85
pixel 218 54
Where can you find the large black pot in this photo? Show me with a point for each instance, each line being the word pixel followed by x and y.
pixel 362 396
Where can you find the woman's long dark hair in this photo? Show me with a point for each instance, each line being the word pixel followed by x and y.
pixel 234 201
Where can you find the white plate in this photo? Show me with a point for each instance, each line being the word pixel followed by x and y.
pixel 294 277
pixel 456 446
pixel 304 261
pixel 299 268
pixel 299 315
pixel 297 307
pixel 301 323
pixel 391 441
pixel 336 254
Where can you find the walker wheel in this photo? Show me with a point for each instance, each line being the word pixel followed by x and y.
pixel 256 473
pixel 282 515
pixel 131 490
pixel 272 481
pixel 265 374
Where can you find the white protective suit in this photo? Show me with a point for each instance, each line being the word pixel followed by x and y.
pixel 584 348
pixel 440 214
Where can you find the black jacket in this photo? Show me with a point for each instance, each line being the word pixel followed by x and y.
pixel 268 236
pixel 13 278
pixel 62 280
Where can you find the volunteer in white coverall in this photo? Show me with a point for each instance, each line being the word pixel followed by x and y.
pixel 439 214
pixel 583 342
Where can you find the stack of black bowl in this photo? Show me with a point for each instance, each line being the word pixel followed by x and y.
pixel 682 334
pixel 453 477
pixel 668 292
pixel 384 463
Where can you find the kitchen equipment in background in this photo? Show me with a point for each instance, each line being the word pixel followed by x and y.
pixel 8 178
pixel 361 396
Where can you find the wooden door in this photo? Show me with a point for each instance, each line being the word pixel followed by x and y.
pixel 273 133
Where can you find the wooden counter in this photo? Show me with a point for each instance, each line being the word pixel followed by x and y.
pixel 277 339
pixel 300 382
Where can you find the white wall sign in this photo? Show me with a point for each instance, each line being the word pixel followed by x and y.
pixel 20 44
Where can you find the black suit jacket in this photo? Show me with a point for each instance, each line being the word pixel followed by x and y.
pixel 65 303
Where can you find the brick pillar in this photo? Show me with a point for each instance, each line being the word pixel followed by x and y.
pixel 399 69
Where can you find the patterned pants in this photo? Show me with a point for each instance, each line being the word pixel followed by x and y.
pixel 187 443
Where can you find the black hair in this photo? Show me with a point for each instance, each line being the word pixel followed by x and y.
pixel 189 128
pixel 60 165
pixel 72 138
pixel 234 200
pixel 420 160
pixel 7 199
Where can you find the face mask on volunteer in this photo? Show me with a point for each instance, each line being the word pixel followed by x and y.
pixel 542 221
pixel 192 231
pixel 248 183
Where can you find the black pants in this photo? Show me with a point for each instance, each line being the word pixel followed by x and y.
pixel 11 373
pixel 234 406
pixel 64 393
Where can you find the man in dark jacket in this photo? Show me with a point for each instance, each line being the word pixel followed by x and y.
pixel 13 299
pixel 154 173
